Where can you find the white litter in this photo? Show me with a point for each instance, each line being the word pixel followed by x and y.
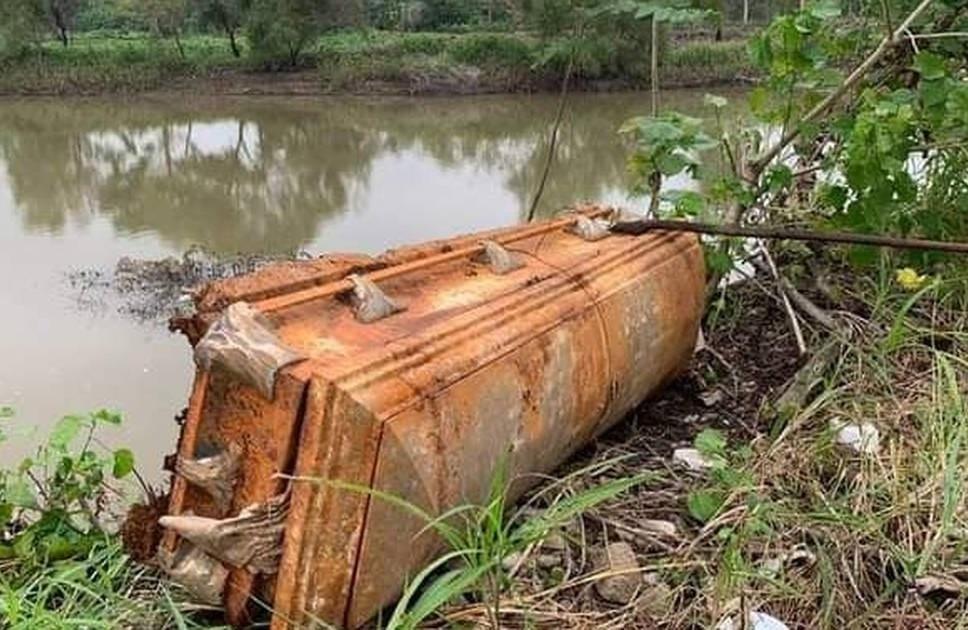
pixel 757 621
pixel 691 458
pixel 860 438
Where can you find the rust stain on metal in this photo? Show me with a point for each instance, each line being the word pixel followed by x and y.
pixel 526 362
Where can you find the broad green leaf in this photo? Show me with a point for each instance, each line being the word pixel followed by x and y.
pixel 779 177
pixel 718 260
pixel 123 463
pixel 107 416
pixel 65 431
pixel 657 129
pixel 929 65
pixel 711 442
pixel 671 164
pixel 19 493
pixel 704 504
pixel 687 202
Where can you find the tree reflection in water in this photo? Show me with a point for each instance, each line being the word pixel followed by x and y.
pixel 265 175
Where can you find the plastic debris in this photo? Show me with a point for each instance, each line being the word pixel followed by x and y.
pixel 692 459
pixel 757 621
pixel 860 438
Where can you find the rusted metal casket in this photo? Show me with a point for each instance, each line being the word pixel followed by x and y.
pixel 415 374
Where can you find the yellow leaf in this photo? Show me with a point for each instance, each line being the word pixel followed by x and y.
pixel 910 279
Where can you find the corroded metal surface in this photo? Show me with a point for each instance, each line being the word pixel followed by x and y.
pixel 525 363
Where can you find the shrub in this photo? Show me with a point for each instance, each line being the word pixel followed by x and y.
pixel 280 30
pixel 21 23
pixel 422 43
pixel 492 50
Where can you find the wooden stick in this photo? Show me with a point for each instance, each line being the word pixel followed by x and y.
pixel 790 234
pixel 794 322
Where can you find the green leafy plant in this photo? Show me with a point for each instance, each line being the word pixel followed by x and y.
pixel 51 505
pixel 726 475
pixel 663 146
pixel 797 53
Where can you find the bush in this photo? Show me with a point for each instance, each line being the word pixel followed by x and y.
pixel 492 50
pixel 280 30
pixel 423 43
pixel 21 25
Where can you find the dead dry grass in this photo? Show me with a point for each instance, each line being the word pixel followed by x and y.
pixel 809 531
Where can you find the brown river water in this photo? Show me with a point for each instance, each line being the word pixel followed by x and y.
pixel 86 182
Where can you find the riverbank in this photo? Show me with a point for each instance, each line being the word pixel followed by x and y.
pixel 778 504
pixel 364 63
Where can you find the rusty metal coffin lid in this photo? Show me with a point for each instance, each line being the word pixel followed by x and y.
pixel 447 295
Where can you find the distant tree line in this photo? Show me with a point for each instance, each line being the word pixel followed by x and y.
pixel 281 30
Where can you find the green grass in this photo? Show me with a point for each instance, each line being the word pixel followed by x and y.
pixel 480 538
pixel 704 62
pixel 134 62
pixel 104 589
pixel 95 63
pixel 506 62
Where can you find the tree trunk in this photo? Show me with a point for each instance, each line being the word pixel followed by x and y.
pixel 178 44
pixel 655 65
pixel 746 12
pixel 655 188
pixel 61 26
pixel 232 43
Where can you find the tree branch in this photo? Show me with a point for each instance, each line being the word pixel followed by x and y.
pixel 553 142
pixel 790 234
pixel 899 34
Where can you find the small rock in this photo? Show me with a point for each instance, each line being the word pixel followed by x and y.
pixel 711 398
pixel 618 558
pixel 860 438
pixel 511 560
pixel 691 458
pixel 757 621
pixel 771 567
pixel 657 600
pixel 945 585
pixel 554 542
pixel 666 529
pixel 801 558
pixel 548 560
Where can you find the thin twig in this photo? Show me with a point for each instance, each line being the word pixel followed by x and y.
pixel 794 322
pixel 641 226
pixel 553 142
pixel 806 305
pixel 939 35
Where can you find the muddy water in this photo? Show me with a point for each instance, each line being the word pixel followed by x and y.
pixel 83 183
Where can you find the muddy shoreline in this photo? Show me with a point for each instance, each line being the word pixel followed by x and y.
pixel 232 82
